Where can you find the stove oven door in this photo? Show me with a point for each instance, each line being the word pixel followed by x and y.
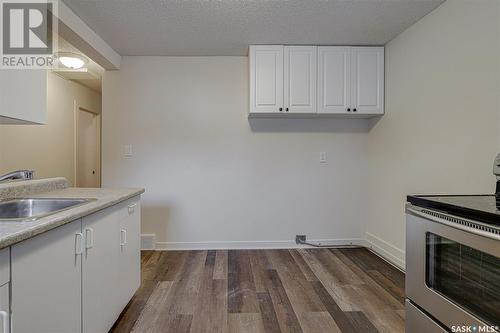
pixel 453 269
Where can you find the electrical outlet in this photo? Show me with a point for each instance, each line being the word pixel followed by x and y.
pixel 299 239
pixel 322 157
pixel 127 150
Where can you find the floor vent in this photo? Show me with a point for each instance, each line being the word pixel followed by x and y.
pixel 147 241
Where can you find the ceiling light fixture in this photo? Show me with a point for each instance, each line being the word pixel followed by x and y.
pixel 71 60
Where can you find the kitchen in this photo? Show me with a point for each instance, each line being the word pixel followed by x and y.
pixel 241 131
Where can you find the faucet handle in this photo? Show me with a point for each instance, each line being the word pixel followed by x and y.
pixel 30 174
pixel 496 166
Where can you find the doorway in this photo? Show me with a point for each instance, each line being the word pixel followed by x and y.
pixel 88 148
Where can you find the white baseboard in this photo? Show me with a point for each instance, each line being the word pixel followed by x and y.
pixel 386 251
pixel 240 245
pixel 380 247
pixel 148 241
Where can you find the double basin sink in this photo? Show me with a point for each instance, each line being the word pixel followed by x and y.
pixel 31 209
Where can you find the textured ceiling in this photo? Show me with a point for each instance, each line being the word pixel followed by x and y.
pixel 226 27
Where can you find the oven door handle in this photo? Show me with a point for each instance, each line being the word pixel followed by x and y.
pixel 459 223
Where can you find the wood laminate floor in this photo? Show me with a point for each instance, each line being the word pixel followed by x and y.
pixel 306 290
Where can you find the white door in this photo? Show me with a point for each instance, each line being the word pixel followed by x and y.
pixel 88 149
pixel 100 269
pixel 334 79
pixel 300 79
pixel 130 252
pixel 367 92
pixel 266 78
pixel 46 281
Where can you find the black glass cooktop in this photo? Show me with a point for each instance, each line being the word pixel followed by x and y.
pixel 484 208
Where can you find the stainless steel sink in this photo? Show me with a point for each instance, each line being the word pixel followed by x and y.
pixel 32 209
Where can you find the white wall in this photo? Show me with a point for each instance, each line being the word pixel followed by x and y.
pixel 498 77
pixel 440 131
pixel 214 179
pixel 210 175
pixel 48 149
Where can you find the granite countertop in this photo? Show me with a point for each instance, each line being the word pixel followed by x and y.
pixel 12 232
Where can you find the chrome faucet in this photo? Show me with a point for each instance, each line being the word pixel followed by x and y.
pixel 496 167
pixel 19 174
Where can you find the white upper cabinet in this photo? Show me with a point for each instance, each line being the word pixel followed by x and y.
pixel 23 96
pixel 334 79
pixel 367 80
pixel 321 80
pixel 300 79
pixel 266 78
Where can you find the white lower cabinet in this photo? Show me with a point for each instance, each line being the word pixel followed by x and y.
pixel 100 270
pixel 129 278
pixel 46 282
pixel 4 309
pixel 80 276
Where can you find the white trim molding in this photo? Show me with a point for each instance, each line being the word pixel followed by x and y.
pixel 148 242
pixel 77 32
pixel 385 250
pixel 241 245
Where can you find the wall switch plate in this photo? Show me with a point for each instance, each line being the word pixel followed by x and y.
pixel 127 150
pixel 322 157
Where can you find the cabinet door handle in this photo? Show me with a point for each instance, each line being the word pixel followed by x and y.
pixel 286 110
pixel 281 109
pixel 89 238
pixel 354 110
pixel 78 243
pixel 5 321
pixel 131 208
pixel 123 237
pixel 348 109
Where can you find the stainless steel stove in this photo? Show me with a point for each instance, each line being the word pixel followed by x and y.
pixel 453 263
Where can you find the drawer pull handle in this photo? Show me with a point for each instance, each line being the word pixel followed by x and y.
pixel 89 238
pixel 5 321
pixel 131 208
pixel 78 243
pixel 123 237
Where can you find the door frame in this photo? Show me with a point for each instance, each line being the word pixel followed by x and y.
pixel 78 108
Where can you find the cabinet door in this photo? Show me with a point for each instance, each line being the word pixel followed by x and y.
pixel 4 309
pixel 300 79
pixel 130 252
pixel 100 269
pixel 266 78
pixel 334 79
pixel 15 86
pixel 46 281
pixel 367 75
